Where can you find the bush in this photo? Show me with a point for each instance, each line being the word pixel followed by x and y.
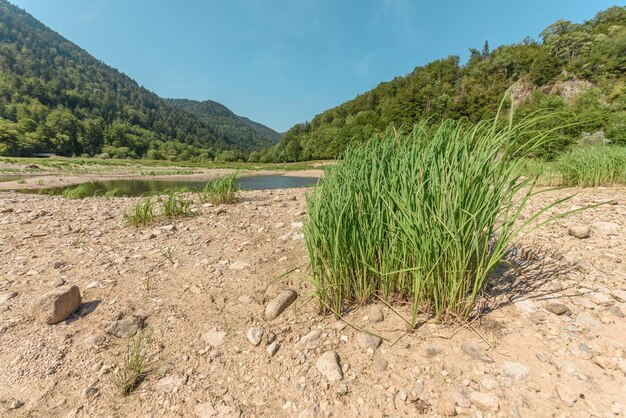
pixel 423 217
pixel 591 166
pixel 220 190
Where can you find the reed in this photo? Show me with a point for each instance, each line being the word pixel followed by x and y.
pixel 220 190
pixel 592 166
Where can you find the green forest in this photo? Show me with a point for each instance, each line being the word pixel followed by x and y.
pixel 577 70
pixel 56 98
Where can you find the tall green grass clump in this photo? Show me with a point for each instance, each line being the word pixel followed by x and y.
pixel 220 190
pixel 423 217
pixel 592 166
pixel 142 213
pixel 80 192
pixel 176 205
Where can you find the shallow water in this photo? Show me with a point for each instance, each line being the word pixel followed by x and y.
pixel 141 187
pixel 10 177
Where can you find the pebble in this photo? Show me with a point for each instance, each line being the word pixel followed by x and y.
pixel 484 401
pixel 90 391
pixel 272 349
pixel 475 352
pixel 515 370
pixel 125 328
pixel 430 352
pixel 579 231
pixel 461 400
pixel 214 338
pixel 168 384
pixel 328 366
pixel 57 305
pixel 558 308
pixel 5 297
pixel 367 340
pixel 278 305
pixel 565 394
pixel 310 340
pixel 254 335
pixel 374 314
pixel 445 407
pixel 381 364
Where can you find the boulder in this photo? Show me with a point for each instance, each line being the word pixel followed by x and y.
pixel 57 305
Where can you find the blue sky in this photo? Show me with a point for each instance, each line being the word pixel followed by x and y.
pixel 281 62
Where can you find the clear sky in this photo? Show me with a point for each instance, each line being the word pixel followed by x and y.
pixel 281 62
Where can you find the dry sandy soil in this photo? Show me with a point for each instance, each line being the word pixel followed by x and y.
pixel 521 359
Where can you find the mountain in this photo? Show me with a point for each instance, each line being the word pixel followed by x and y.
pixel 577 69
pixel 262 129
pixel 221 117
pixel 55 97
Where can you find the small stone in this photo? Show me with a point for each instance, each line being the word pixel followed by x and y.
pixel 310 340
pixel 616 311
pixel 381 364
pixel 517 371
pixel 565 394
pixel 586 319
pixel 125 328
pixel 616 408
pixel 5 297
pixel 16 404
pixel 605 363
pixel 607 228
pixel 205 410
pixel 238 265
pixel 367 340
pixel 619 295
pixel 89 392
pixel 416 390
pixel 602 299
pixel 445 408
pixel 168 384
pixel 430 352
pixel 484 401
pixel 328 366
pixel 558 308
pixel 214 338
pixel 254 335
pixel 278 305
pixel 57 305
pixel 374 314
pixel 246 299
pixel 272 349
pixel 476 352
pixel 461 400
pixel 402 395
pixel 579 231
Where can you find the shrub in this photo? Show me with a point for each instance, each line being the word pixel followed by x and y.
pixel 591 166
pixel 140 214
pixel 423 217
pixel 220 190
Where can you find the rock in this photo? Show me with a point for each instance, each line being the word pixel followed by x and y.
pixel 616 408
pixel 254 335
pixel 57 305
pixel 579 231
pixel 515 370
pixel 430 352
pixel 381 364
pixel 619 295
pixel 607 228
pixel 328 366
pixel 461 400
pixel 491 384
pixel 558 308
pixel 214 338
pixel 125 328
pixel 476 352
pixel 238 265
pixel 90 392
pixel 484 401
pixel 204 410
pixel 310 340
pixel 602 299
pixel 616 311
pixel 402 395
pixel 246 299
pixel 586 319
pixel 272 349
pixel 367 340
pixel 445 408
pixel 5 297
pixel 278 305
pixel 374 314
pixel 604 362
pixel 565 394
pixel 168 384
pixel 416 390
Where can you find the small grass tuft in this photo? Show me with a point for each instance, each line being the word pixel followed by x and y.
pixel 142 213
pixel 80 192
pixel 220 190
pixel 176 205
pixel 135 368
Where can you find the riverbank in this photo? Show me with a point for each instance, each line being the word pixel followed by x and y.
pixel 550 341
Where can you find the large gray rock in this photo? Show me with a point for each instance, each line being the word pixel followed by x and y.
pixel 125 328
pixel 328 365
pixel 57 305
pixel 278 305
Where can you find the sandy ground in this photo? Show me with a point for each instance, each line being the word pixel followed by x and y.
pixel 202 282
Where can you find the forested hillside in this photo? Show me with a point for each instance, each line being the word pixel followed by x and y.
pixel 578 69
pixel 56 98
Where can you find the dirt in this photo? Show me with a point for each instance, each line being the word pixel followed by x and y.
pixel 209 277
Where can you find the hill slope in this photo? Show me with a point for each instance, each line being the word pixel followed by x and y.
pixel 55 97
pixel 577 68
pixel 223 119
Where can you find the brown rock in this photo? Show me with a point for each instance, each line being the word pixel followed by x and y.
pixel 57 305
pixel 280 303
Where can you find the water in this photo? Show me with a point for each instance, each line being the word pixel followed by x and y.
pixel 10 177
pixel 141 187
